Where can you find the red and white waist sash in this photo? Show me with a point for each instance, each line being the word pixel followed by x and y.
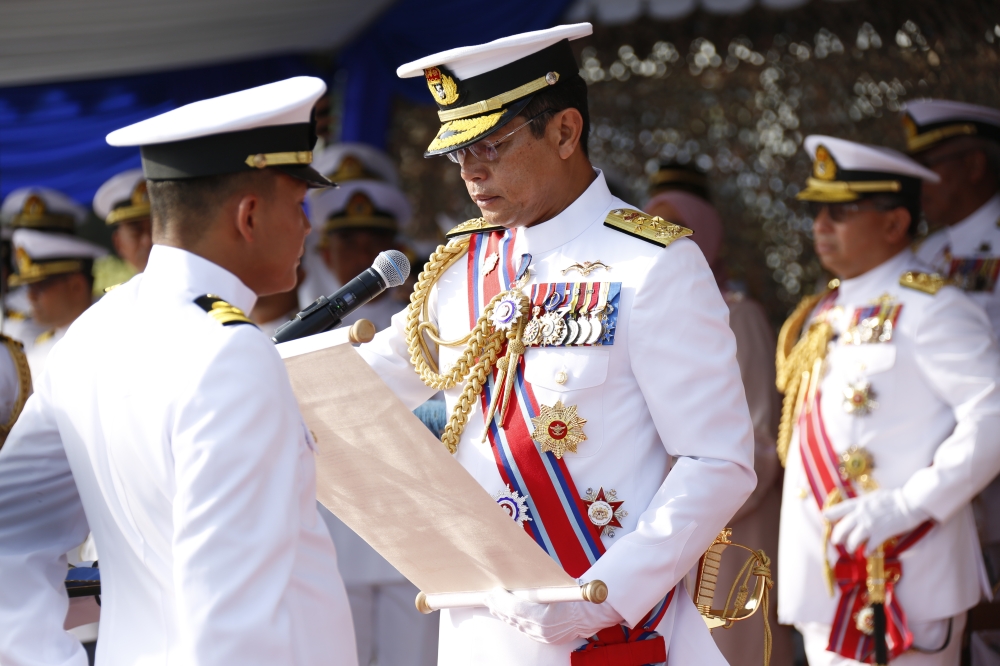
pixel 820 462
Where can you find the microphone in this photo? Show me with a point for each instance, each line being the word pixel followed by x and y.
pixel 390 269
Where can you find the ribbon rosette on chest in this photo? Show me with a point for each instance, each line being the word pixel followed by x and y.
pixel 507 311
pixel 514 503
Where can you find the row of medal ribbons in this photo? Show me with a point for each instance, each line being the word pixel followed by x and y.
pixel 573 314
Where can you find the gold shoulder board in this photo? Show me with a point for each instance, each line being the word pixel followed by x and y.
pixel 929 283
pixel 222 312
pixel 653 230
pixel 475 226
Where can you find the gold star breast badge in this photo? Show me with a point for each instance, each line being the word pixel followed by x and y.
pixel 558 429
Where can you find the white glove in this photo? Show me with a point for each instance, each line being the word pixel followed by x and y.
pixel 552 623
pixel 874 517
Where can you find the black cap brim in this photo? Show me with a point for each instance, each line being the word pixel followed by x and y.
pixel 312 177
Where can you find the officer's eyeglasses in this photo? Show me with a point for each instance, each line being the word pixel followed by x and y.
pixel 841 212
pixel 485 150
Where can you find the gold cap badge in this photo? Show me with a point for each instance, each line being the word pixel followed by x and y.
pixel 824 168
pixel 442 86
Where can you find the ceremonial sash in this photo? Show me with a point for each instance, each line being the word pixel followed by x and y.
pixel 559 522
pixel 821 466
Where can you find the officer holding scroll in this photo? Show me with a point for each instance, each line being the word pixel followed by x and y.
pixel 890 426
pixel 600 352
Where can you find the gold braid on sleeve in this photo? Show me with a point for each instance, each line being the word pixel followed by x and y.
pixel 482 344
pixel 796 359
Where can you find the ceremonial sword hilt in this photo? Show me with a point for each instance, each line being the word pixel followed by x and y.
pixel 740 604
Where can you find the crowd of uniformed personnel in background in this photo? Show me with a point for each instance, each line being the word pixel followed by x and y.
pixel 888 375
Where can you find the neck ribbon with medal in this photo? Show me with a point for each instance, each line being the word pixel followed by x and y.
pixel 529 440
pixel 866 583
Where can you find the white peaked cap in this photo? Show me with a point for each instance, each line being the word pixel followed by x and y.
pixel 933 111
pixel 281 103
pixel 376 162
pixel 54 202
pixel 384 197
pixel 852 156
pixel 44 245
pixel 117 189
pixel 469 61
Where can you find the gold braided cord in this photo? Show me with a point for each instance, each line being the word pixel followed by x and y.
pixel 794 362
pixel 482 344
pixel 16 350
pixel 758 565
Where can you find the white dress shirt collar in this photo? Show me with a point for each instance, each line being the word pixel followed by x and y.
pixel 589 208
pixel 966 236
pixel 179 271
pixel 878 279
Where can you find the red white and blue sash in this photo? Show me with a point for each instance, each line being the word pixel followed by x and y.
pixel 559 522
pixel 821 464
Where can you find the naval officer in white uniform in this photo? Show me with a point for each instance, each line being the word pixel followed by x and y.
pixel 123 203
pixel 891 425
pixel 165 422
pixel 613 334
pixel 37 209
pixel 57 271
pixel 961 143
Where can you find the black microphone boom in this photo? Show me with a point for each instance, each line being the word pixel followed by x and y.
pixel 389 270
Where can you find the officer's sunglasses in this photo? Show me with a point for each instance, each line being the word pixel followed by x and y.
pixel 485 150
pixel 841 212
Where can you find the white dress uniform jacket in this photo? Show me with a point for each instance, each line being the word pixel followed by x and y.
pixel 668 387
pixel 178 441
pixel 977 236
pixel 935 433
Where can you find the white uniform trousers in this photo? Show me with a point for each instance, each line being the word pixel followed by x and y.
pixel 390 631
pixel 926 635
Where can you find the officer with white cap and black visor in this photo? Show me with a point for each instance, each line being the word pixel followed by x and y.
pixel 890 426
pixel 38 209
pixel 57 270
pixel 123 203
pixel 166 423
pixel 342 163
pixel 584 405
pixel 960 142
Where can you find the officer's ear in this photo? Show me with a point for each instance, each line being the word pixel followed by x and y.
pixel 896 227
pixel 248 209
pixel 569 125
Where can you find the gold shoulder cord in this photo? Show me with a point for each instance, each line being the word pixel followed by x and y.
pixel 482 344
pixel 16 350
pixel 797 359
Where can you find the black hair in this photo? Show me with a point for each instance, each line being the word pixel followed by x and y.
pixel 569 93
pixel 887 202
pixel 183 208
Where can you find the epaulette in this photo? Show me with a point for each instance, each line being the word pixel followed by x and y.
pixel 653 230
pixel 222 312
pixel 929 283
pixel 475 226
